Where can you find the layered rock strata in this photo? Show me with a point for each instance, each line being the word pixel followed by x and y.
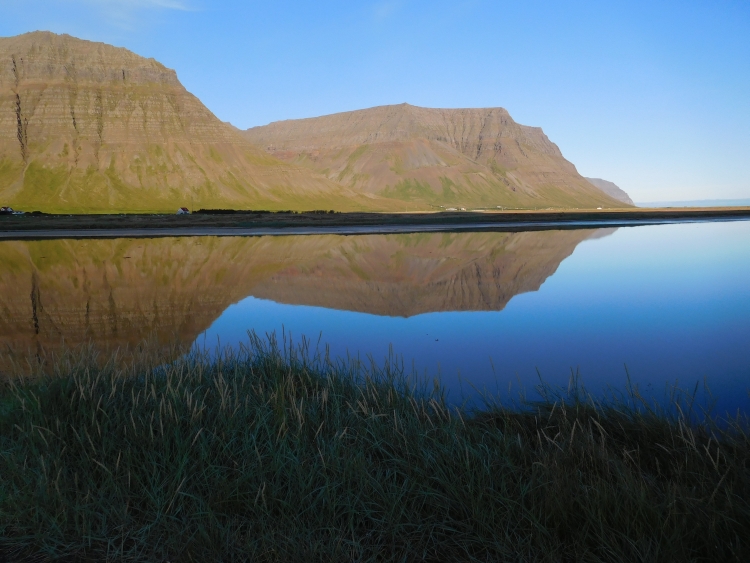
pixel 88 127
pixel 436 158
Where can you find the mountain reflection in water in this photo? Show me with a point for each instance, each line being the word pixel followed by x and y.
pixel 670 302
pixel 120 291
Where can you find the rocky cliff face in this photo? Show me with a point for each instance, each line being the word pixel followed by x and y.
pixel 612 190
pixel 448 157
pixel 89 127
pixel 119 292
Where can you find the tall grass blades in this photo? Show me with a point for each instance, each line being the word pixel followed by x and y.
pixel 269 454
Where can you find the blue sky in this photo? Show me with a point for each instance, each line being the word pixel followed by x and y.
pixel 654 96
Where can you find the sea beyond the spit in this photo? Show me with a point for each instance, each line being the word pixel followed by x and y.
pixel 484 311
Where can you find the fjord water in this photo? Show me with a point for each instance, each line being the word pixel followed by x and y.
pixel 480 310
pixel 665 305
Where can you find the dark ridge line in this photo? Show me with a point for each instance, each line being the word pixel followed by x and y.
pixel 348 230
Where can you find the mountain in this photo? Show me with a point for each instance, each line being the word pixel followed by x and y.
pixel 434 157
pixel 118 292
pixel 612 190
pixel 87 127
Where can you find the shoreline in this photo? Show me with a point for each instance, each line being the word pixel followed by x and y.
pixel 247 223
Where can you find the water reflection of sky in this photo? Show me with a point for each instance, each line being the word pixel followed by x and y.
pixel 671 302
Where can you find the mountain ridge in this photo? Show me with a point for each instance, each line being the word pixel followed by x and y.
pixel 440 157
pixel 611 189
pixel 85 126
pixel 89 127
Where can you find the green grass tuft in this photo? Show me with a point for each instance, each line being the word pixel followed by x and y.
pixel 268 454
pixel 409 189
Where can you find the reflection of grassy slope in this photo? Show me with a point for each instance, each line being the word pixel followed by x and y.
pixel 118 291
pixel 178 286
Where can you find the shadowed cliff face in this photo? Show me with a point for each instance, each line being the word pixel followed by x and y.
pixel 87 126
pixel 449 157
pixel 119 292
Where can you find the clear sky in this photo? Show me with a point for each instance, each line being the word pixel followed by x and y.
pixel 652 95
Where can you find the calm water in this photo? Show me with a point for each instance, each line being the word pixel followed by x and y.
pixel 671 302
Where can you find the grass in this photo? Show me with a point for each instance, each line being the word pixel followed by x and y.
pixel 268 454
pixel 410 190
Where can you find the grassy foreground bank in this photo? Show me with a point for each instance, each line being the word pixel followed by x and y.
pixel 272 456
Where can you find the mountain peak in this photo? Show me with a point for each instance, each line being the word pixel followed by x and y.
pixel 437 157
pixel 86 126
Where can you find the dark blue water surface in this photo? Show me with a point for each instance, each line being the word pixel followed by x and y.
pixel 669 303
pixel 481 310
